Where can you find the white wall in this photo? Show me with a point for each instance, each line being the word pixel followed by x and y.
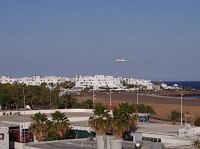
pixel 49 111
pixel 4 142
pixel 34 80
pixel 190 131
pixel 169 140
pixel 97 81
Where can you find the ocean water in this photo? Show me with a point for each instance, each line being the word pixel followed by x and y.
pixel 192 84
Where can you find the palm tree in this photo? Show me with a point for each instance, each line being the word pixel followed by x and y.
pixel 124 119
pixel 5 101
pixel 120 122
pixel 39 126
pixel 99 121
pixel 60 123
pixel 132 122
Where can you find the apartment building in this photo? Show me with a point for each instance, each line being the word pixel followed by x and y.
pixel 7 79
pixel 34 80
pixel 139 82
pixel 98 81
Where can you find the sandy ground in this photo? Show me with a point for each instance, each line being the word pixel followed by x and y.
pixel 162 105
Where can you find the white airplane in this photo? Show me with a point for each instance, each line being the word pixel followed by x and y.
pixel 120 60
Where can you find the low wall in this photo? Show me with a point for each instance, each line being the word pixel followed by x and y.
pixel 81 128
pixel 189 132
pixel 17 145
pixel 76 119
pixel 4 138
pixel 169 140
pixel 47 111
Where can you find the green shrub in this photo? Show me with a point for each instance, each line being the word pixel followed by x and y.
pixel 197 122
pixel 174 116
pixel 145 109
pixel 51 134
pixel 88 104
pixel 150 110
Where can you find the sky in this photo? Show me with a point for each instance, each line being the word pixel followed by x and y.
pixel 159 39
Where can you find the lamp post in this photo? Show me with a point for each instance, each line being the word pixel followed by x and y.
pixel 51 87
pixel 93 97
pixel 50 98
pixel 137 105
pixel 24 99
pixel 24 133
pixel 137 97
pixel 181 110
pixel 110 98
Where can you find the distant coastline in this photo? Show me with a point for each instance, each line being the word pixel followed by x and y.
pixel 192 84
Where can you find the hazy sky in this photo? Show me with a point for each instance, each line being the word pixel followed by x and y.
pixel 159 39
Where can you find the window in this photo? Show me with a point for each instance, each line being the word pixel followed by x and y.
pixel 1 136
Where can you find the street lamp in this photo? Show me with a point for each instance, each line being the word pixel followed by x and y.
pixel 93 97
pixel 110 98
pixel 137 97
pixel 51 87
pixel 181 110
pixel 137 102
pixel 24 99
pixel 23 126
pixel 50 97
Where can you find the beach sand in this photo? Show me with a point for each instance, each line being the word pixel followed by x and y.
pixel 162 105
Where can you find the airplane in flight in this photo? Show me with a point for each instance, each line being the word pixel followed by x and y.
pixel 120 60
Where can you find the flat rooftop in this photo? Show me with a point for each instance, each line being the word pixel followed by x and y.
pixel 5 120
pixel 73 144
pixel 166 129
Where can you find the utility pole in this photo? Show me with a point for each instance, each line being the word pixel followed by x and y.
pixel 137 102
pixel 137 97
pixel 110 98
pixel 181 110
pixel 50 97
pixel 24 99
pixel 93 97
pixel 24 135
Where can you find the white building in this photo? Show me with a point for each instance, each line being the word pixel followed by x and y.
pixel 7 79
pixel 4 138
pixel 139 82
pixel 34 80
pixel 98 81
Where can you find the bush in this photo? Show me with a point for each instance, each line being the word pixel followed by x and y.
pixel 174 116
pixel 88 104
pixel 77 105
pixel 145 109
pixel 61 105
pixel 150 110
pixel 51 134
pixel 197 122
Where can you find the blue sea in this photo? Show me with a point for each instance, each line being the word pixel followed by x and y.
pixel 192 84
